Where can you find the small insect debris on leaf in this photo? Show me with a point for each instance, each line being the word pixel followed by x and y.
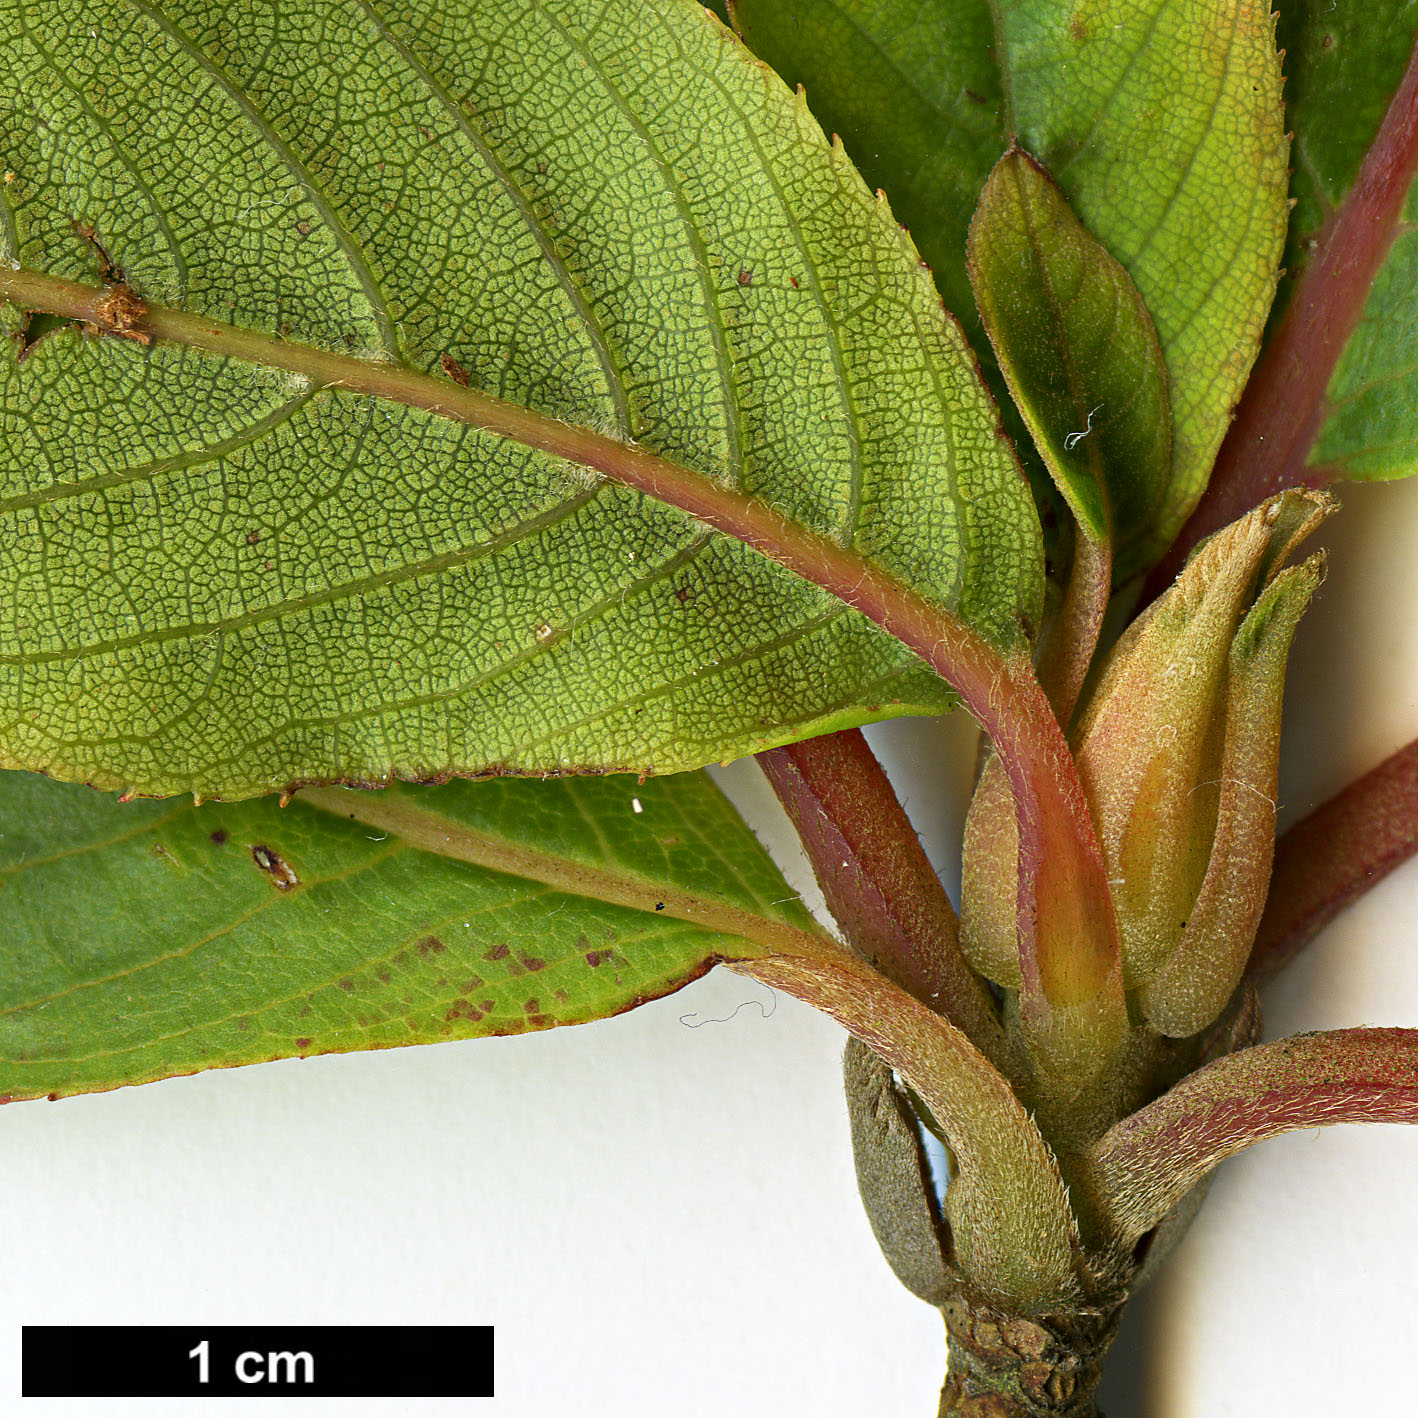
pixel 454 370
pixel 282 874
pixel 120 309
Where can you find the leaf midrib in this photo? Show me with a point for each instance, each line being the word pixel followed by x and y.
pixel 930 629
pixel 418 827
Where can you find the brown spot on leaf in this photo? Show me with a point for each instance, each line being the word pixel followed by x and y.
pixel 347 986
pixel 532 1006
pixel 431 945
pixel 475 983
pixel 303 228
pixel 541 1021
pixel 488 1004
pixel 253 536
pixel 745 278
pixel 219 836
pixel 793 281
pixel 497 952
pixel 454 370
pixel 302 1043
pixel 532 962
pixel 282 874
pixel 597 957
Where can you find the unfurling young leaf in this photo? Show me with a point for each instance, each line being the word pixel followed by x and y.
pixel 1187 698
pixel 1081 360
pixel 1078 351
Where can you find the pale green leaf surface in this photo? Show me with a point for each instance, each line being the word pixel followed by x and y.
pixel 145 939
pixel 225 579
pixel 1357 51
pixel 1080 354
pixel 1160 119
pixel 915 92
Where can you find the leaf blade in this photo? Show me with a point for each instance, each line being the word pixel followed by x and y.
pixel 144 940
pixel 1175 176
pixel 747 643
pixel 1077 348
pixel 1329 396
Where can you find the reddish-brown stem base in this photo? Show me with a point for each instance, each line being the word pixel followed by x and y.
pixel 1023 1366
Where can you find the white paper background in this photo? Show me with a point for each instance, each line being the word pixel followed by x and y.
pixel 661 1219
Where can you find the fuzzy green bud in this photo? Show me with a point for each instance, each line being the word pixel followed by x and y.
pixel 1177 749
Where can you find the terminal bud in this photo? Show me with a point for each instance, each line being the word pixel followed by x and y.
pixel 1176 748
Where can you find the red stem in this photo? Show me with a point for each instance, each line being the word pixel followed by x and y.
pixel 876 878
pixel 1145 1165
pixel 1075 966
pixel 1283 407
pixel 1335 855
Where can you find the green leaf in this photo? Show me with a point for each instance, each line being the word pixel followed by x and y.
pixel 1334 47
pixel 1160 120
pixel 148 939
pixel 1079 353
pixel 1360 51
pixel 235 575
pixel 915 92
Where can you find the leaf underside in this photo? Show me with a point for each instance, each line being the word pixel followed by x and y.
pixel 1161 122
pixel 143 940
pixel 227 579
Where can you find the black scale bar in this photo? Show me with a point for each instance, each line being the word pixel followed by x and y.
pixel 226 1361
